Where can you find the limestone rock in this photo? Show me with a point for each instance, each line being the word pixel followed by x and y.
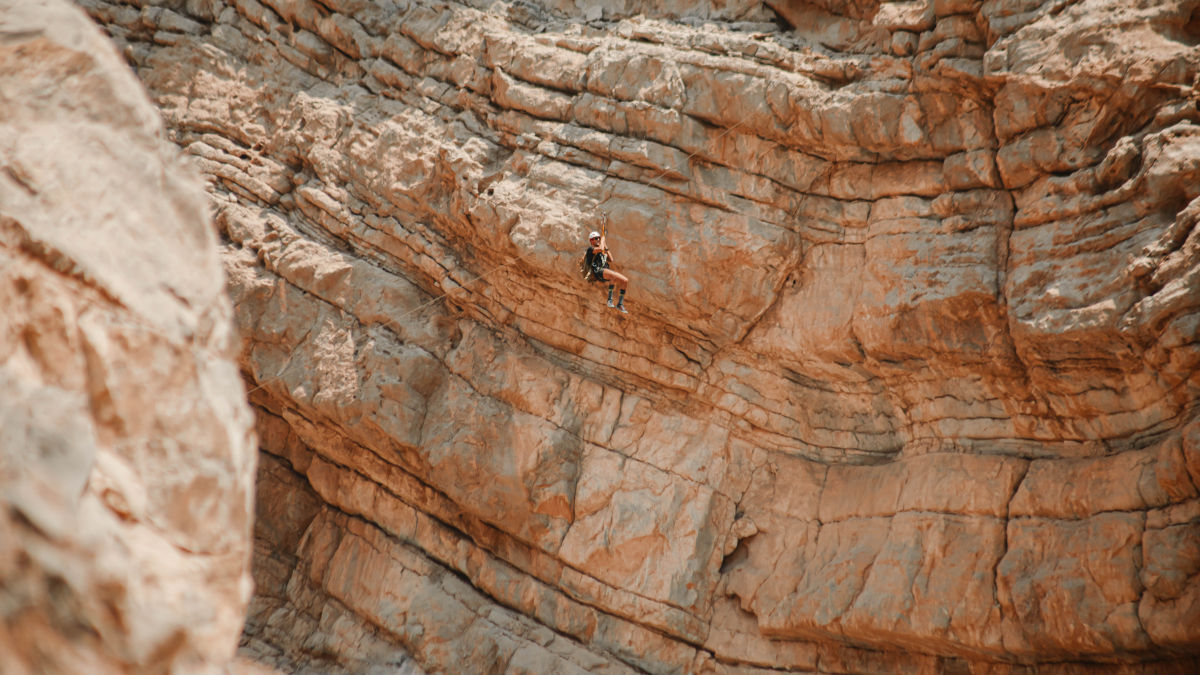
pixel 909 379
pixel 126 450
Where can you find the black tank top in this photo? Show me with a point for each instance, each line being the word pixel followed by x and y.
pixel 596 259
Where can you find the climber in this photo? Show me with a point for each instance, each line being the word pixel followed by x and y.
pixel 598 257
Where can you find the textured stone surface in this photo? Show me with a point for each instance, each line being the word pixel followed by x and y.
pixel 909 383
pixel 126 450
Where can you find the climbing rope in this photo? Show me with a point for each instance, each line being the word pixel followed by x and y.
pixel 689 157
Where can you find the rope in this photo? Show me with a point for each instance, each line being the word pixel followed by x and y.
pixel 447 293
pixel 689 157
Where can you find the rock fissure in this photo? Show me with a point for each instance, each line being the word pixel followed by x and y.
pixel 447 498
pixel 463 573
pixel 461 598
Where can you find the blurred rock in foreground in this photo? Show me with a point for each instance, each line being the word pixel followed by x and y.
pixel 127 455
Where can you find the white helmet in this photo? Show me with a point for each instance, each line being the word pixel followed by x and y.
pixel 593 235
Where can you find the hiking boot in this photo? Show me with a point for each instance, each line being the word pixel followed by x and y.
pixel 610 303
pixel 621 308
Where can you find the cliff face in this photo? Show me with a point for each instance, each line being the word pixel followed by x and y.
pixel 909 378
pixel 126 445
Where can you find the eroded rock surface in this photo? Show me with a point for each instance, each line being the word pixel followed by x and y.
pixel 909 383
pixel 126 447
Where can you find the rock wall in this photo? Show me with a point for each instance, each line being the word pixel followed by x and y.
pixel 909 379
pixel 127 455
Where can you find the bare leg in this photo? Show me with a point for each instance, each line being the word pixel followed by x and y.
pixel 617 279
pixel 620 281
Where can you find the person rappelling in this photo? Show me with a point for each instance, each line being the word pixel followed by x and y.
pixel 597 260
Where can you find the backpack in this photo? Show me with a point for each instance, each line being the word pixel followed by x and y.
pixel 585 268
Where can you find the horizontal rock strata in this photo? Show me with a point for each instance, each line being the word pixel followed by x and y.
pixel 909 378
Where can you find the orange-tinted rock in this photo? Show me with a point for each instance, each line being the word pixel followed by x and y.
pixel 1072 587
pixel 909 378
